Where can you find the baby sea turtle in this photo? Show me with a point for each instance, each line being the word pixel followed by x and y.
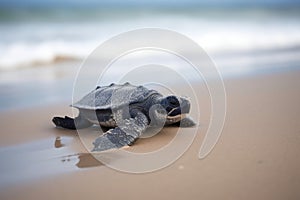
pixel 128 110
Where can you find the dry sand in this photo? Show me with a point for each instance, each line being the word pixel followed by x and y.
pixel 257 156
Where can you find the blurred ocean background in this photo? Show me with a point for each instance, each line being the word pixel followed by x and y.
pixel 42 43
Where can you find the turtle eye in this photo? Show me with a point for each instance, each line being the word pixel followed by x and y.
pixel 173 101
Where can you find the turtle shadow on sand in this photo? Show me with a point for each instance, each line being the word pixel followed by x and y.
pixel 85 160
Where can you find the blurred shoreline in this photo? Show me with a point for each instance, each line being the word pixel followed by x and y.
pixel 49 84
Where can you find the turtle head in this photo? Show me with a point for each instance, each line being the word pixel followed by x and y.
pixel 169 110
pixel 175 106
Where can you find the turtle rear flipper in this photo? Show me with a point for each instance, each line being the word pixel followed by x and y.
pixel 124 135
pixel 70 123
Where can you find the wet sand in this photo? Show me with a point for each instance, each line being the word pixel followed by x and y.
pixel 257 156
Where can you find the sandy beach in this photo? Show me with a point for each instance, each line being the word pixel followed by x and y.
pixel 256 157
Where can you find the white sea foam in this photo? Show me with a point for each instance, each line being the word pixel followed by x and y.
pixel 24 54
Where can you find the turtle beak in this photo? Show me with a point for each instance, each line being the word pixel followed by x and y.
pixel 185 105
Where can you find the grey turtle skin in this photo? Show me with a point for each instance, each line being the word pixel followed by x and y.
pixel 127 110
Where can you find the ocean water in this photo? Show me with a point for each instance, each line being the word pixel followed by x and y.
pixel 31 36
pixel 41 48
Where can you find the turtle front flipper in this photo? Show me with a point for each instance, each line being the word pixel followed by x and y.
pixel 186 122
pixel 124 135
pixel 70 123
